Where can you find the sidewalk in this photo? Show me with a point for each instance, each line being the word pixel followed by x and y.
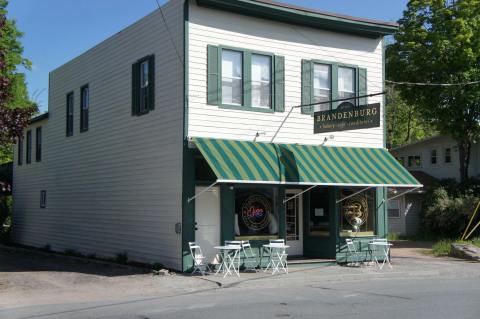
pixel 30 278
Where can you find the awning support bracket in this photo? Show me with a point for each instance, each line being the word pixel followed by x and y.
pixel 203 191
pixel 405 192
pixel 298 194
pixel 356 193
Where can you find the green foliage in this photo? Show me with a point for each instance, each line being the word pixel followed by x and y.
pixel 443 248
pixel 15 106
pixel 438 41
pixel 447 214
pixel 404 122
pixel 5 217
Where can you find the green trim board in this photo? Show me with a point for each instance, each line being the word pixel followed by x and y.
pixel 302 16
pixel 235 161
pixel 188 158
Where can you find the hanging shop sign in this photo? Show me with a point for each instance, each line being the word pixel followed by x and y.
pixel 347 117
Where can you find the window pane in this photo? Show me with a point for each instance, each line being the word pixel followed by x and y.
pixel 85 98
pixel 346 83
pixel 357 213
pixel 261 81
pixel 232 77
pixel 256 216
pixel 144 74
pixel 321 86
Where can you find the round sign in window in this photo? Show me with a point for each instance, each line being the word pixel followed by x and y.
pixel 256 210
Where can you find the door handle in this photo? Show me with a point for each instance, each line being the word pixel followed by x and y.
pixel 196 228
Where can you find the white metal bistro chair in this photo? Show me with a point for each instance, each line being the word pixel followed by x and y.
pixel 352 253
pixel 199 263
pixel 250 259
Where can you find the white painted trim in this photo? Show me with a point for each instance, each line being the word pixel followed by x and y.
pixel 316 184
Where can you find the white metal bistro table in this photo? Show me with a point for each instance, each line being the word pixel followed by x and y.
pixel 384 247
pixel 278 257
pixel 229 253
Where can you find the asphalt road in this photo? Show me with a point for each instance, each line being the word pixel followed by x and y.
pixel 401 297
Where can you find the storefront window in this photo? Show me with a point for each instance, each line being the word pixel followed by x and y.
pixel 256 216
pixel 319 224
pixel 357 213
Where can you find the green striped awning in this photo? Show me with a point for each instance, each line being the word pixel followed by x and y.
pixel 254 162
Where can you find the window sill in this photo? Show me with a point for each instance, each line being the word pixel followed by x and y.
pixel 245 108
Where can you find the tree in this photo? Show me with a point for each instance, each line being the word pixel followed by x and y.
pixel 438 41
pixel 404 123
pixel 15 107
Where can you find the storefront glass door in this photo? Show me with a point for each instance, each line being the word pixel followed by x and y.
pixel 294 223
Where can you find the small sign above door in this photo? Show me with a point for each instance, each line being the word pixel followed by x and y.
pixel 347 117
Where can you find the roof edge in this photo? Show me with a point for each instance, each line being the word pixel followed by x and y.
pixel 282 12
pixel 39 118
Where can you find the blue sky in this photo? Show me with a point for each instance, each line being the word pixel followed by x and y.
pixel 58 30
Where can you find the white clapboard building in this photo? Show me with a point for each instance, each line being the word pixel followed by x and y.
pixel 213 120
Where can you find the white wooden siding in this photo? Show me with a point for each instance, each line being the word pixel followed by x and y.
pixel 441 169
pixel 118 187
pixel 207 26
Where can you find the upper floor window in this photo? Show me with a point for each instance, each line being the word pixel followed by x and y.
pixel 261 81
pixel 20 151
pixel 346 84
pixel 38 144
pixel 232 77
pixel 143 88
pixel 322 86
pixel 448 155
pixel 29 147
pixel 323 82
pixel 69 118
pixel 244 79
pixel 433 157
pixel 84 107
pixel 414 161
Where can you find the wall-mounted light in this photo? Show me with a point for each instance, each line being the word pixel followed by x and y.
pixel 257 135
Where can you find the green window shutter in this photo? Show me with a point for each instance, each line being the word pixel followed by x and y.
pixel 279 78
pixel 212 74
pixel 151 82
pixel 307 86
pixel 362 86
pixel 135 88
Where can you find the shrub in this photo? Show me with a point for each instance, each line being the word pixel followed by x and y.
pixel 446 214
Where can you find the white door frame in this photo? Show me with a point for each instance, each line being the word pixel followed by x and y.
pixel 296 246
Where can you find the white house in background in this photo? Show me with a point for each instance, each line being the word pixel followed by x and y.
pixel 436 156
pixel 428 160
pixel 181 128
